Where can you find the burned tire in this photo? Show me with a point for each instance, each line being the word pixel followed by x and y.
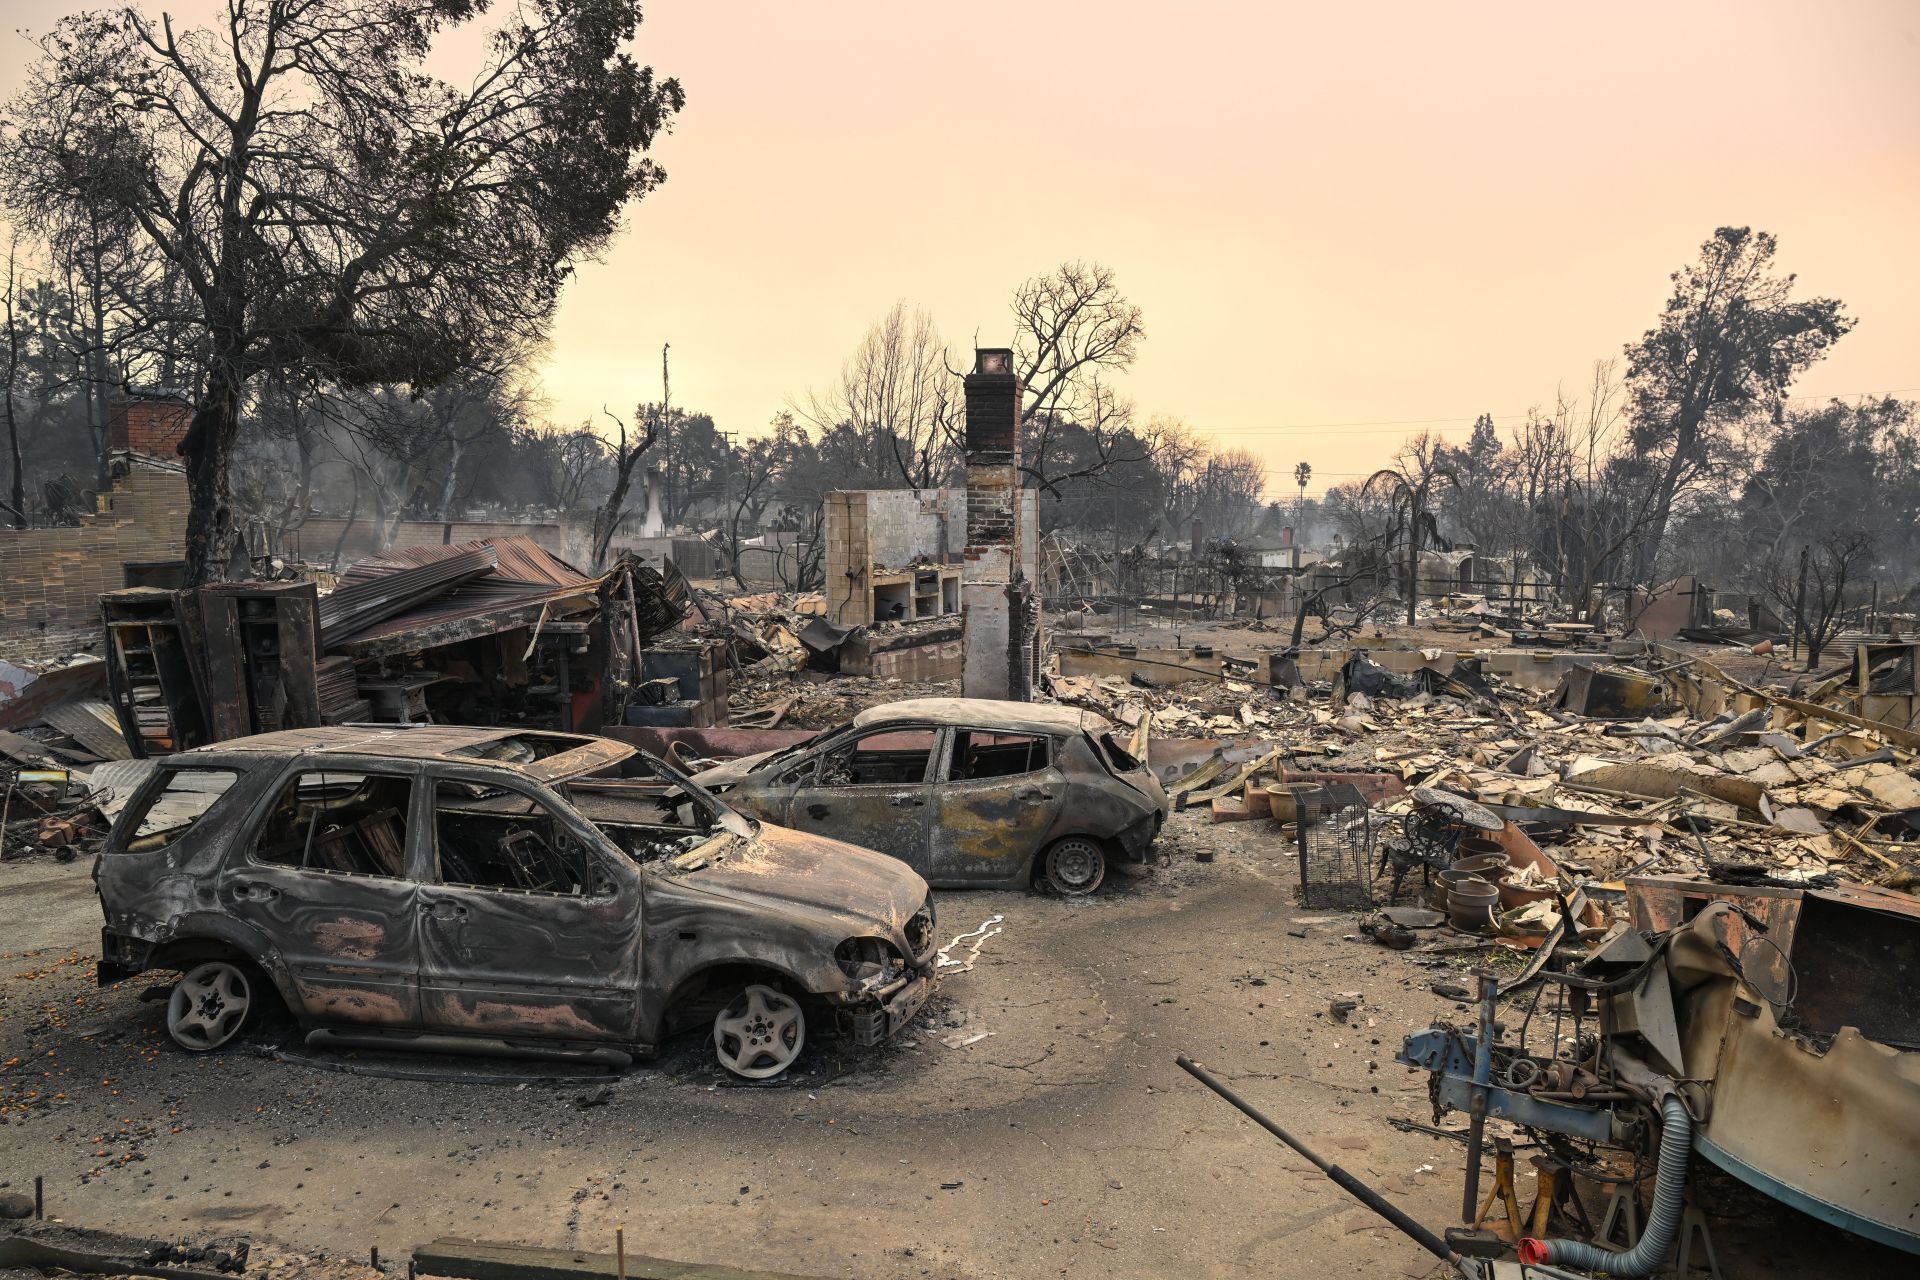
pixel 1075 866
pixel 759 1033
pixel 212 1003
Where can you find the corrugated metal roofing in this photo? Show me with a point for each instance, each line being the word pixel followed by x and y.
pixel 524 578
pixel 517 559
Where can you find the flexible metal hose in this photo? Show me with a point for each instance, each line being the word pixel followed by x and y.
pixel 1669 1184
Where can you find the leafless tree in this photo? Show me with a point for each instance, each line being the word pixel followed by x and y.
pixel 1070 326
pixel 626 456
pixel 1074 329
pixel 1813 587
pixel 750 491
pixel 899 397
pixel 1604 500
pixel 14 339
pixel 1410 489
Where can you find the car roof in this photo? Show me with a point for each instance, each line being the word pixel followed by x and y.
pixel 984 713
pixel 573 754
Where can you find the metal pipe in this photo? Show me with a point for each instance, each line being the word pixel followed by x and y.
pixel 1477 1110
pixel 1340 1177
pixel 1669 1187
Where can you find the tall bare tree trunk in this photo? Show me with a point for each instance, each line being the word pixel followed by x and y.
pixel 13 377
pixel 208 449
pixel 455 446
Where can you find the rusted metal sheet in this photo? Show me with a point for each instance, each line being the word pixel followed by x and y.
pixel 27 691
pixel 424 597
pixel 1857 960
pixel 382 587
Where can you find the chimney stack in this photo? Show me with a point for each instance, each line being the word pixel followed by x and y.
pixel 1000 610
pixel 149 422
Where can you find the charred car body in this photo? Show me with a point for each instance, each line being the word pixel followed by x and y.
pixel 484 888
pixel 968 792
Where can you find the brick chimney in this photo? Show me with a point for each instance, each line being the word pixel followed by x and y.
pixel 1000 622
pixel 152 423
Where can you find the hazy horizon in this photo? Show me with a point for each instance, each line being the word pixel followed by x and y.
pixel 1343 226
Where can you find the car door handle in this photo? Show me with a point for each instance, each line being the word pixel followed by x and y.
pixel 254 893
pixel 443 910
pixel 906 802
pixel 1034 795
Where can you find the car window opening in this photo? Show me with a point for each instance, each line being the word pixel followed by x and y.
pixel 892 757
pixel 1118 756
pixel 337 821
pixel 979 753
pixel 648 821
pixel 507 840
pixel 182 800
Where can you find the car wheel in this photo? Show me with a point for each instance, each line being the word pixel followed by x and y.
pixel 1076 866
pixel 209 1005
pixel 760 1033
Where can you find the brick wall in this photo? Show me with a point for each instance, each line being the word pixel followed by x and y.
pixel 51 579
pixel 150 425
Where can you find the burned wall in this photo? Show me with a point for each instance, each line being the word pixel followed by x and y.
pixel 888 528
pixel 51 579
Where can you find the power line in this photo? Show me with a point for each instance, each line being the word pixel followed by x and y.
pixel 1466 420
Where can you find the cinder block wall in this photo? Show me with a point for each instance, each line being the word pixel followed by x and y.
pixel 51 579
pixel 892 528
pixel 849 560
pixel 906 526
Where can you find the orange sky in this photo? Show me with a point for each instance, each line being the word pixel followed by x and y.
pixel 1332 214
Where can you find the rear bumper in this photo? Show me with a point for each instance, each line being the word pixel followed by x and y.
pixel 1135 841
pixel 121 957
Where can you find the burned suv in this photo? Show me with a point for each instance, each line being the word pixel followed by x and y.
pixel 485 889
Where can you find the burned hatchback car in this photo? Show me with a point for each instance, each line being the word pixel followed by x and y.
pixel 969 792
pixel 482 889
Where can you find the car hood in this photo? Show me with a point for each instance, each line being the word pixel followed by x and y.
pixel 728 772
pixel 783 866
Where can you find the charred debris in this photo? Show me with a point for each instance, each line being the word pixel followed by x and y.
pixel 1675 904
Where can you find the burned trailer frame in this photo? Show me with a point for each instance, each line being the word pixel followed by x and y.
pixel 679 900
pixel 1782 1021
pixel 1063 818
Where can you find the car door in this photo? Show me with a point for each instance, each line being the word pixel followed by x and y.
pixel 995 800
pixel 323 874
pixel 872 788
pixel 529 917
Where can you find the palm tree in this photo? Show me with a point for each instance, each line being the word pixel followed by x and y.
pixel 1409 488
pixel 1302 472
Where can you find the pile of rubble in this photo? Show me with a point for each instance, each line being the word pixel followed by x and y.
pixel 1766 790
